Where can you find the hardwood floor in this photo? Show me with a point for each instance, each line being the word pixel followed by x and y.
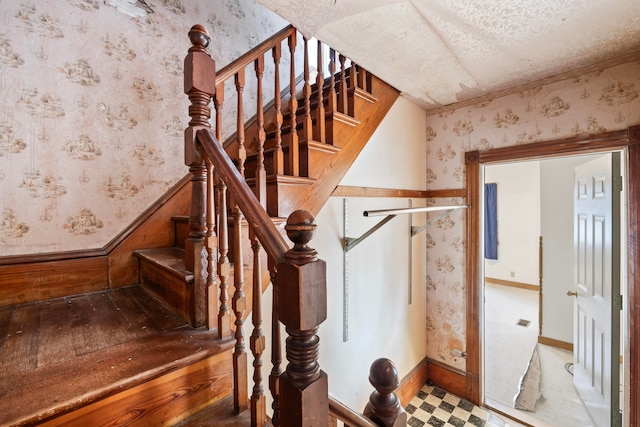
pixel 62 354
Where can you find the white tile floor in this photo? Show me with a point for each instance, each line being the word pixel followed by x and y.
pixel 508 348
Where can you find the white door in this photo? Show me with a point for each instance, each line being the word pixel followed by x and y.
pixel 597 287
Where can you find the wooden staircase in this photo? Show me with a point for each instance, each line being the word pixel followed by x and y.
pixel 292 154
pixel 325 154
pixel 292 160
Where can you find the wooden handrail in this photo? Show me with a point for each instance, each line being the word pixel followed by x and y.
pixel 347 415
pixel 243 61
pixel 300 392
pixel 257 218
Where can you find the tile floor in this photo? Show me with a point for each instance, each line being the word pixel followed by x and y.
pixel 435 407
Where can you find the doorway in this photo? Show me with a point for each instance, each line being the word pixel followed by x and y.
pixel 626 139
pixel 527 316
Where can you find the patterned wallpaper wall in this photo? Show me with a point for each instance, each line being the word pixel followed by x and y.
pixel 604 100
pixel 92 110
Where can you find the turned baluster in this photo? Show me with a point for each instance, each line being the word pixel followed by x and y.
pixel 332 97
pixel 319 132
pixel 342 92
pixel 261 174
pixel 199 85
pixel 302 302
pixel 278 158
pixel 362 78
pixel 242 151
pixel 332 101
pixel 353 76
pixel 384 407
pixel 257 341
pixel 307 123
pixel 276 350
pixel 224 265
pixel 293 155
pixel 209 299
pixel 239 304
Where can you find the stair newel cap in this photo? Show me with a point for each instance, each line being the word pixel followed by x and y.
pixel 301 279
pixel 301 227
pixel 199 38
pixel 383 375
pixel 384 406
pixel 199 66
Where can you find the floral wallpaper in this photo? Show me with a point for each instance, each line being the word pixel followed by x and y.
pixel 599 101
pixel 92 110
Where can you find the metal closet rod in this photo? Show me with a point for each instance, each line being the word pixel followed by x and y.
pixel 411 210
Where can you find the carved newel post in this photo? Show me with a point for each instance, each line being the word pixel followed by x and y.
pixel 302 299
pixel 200 86
pixel 384 406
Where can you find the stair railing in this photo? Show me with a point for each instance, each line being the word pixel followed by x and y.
pixel 300 392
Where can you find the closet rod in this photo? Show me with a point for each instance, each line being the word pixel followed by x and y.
pixel 412 210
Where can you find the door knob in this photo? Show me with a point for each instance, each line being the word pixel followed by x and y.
pixel 572 294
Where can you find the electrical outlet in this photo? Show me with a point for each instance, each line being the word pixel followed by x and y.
pixel 513 274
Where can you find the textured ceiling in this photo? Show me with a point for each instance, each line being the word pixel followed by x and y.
pixel 439 52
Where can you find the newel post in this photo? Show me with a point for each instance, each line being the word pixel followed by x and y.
pixel 199 85
pixel 302 299
pixel 384 407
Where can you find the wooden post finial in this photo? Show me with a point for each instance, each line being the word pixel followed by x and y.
pixel 199 37
pixel 384 406
pixel 301 227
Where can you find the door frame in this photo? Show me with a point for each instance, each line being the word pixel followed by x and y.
pixel 627 140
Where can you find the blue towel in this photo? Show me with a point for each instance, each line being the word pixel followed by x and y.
pixel 491 221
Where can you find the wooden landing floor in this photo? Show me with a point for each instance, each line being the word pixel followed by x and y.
pixel 59 354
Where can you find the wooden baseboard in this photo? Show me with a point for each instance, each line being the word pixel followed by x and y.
pixel 413 382
pixel 519 285
pixel 450 379
pixel 555 343
pixel 23 283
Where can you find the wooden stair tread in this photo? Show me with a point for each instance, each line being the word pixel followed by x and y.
pixel 221 414
pixel 143 350
pixel 170 259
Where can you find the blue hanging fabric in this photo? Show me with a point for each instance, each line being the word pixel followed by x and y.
pixel 491 221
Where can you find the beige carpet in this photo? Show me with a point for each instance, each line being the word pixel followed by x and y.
pixel 508 351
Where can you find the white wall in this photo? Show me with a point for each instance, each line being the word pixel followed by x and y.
pixel 518 221
pixel 381 323
pixel 556 182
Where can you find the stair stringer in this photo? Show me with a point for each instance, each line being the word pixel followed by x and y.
pixel 351 140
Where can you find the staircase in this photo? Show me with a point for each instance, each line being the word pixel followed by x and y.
pixel 291 154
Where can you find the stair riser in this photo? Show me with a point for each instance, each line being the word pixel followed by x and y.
pixel 165 400
pixel 171 289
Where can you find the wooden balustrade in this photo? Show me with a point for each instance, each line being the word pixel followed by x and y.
pixel 300 392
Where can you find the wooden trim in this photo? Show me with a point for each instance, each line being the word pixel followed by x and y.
pixel 629 139
pixel 584 144
pixel 473 290
pixel 457 192
pixel 413 382
pixel 147 214
pixel 353 191
pixel 555 343
pixel 35 281
pixel 633 272
pixel 511 284
pixel 448 378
